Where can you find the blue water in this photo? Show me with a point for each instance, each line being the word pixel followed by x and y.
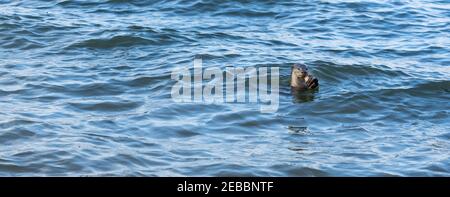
pixel 85 88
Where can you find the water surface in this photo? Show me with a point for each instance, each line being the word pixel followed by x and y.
pixel 85 88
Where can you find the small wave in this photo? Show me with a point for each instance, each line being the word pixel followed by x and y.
pixel 395 52
pixel 16 122
pixel 93 89
pixel 219 35
pixel 107 106
pixel 5 26
pixel 9 92
pixel 78 3
pixel 119 1
pixel 145 81
pixel 339 73
pixel 8 136
pixel 430 88
pixel 142 28
pixel 75 3
pixel 246 13
pixel 357 6
pixel 22 44
pixel 116 41
pixel 299 170
pixel 179 131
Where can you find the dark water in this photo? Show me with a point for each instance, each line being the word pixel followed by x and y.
pixel 85 88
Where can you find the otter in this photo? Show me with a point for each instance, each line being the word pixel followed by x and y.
pixel 301 79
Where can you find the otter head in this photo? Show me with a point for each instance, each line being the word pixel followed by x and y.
pixel 300 71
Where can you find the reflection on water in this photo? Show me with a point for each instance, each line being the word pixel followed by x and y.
pixel 303 96
pixel 298 129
